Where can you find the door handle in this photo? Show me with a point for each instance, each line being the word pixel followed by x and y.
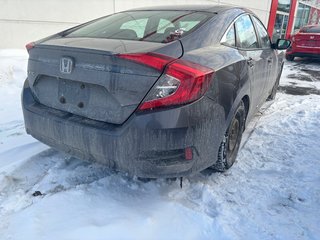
pixel 250 62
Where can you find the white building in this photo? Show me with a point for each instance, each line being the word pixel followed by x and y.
pixel 23 21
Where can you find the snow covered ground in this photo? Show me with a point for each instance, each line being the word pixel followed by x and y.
pixel 272 192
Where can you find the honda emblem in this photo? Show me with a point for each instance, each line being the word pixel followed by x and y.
pixel 66 65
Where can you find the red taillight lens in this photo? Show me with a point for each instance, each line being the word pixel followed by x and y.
pixel 30 46
pixel 188 154
pixel 191 82
pixel 182 81
pixel 154 60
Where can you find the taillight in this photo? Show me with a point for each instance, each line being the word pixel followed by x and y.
pixel 154 60
pixel 182 81
pixel 30 46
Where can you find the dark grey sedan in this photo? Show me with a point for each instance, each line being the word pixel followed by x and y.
pixel 154 92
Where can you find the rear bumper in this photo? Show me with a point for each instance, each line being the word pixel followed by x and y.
pixel 304 52
pixel 146 145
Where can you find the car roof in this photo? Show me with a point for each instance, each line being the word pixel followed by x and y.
pixel 195 7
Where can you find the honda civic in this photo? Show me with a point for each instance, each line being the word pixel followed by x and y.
pixel 153 92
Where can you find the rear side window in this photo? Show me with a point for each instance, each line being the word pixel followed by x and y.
pixel 229 39
pixel 152 26
pixel 246 36
pixel 262 33
pixel 310 29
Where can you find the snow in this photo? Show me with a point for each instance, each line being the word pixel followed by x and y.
pixel 272 191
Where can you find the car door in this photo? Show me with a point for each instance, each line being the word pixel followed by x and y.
pixel 268 56
pixel 249 47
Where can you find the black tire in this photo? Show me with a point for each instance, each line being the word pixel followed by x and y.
pixel 230 144
pixel 289 57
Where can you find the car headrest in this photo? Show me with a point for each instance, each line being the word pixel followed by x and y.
pixel 168 31
pixel 126 34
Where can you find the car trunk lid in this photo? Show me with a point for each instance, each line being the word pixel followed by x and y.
pixel 86 76
pixel 307 39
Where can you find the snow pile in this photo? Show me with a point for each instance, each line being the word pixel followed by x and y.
pixel 272 192
pixel 15 145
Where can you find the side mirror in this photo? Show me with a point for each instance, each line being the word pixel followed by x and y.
pixel 281 44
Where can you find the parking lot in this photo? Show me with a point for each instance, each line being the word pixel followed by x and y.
pixel 272 191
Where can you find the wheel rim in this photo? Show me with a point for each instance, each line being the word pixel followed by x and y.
pixel 230 143
pixel 233 135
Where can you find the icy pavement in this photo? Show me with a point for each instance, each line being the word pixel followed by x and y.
pixel 302 77
pixel 272 191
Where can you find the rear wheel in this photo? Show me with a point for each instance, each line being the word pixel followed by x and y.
pixel 230 144
pixel 289 57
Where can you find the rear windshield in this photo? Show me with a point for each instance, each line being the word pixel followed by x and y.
pixel 310 29
pixel 151 26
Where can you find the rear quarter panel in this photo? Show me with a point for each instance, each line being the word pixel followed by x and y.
pixel 230 81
